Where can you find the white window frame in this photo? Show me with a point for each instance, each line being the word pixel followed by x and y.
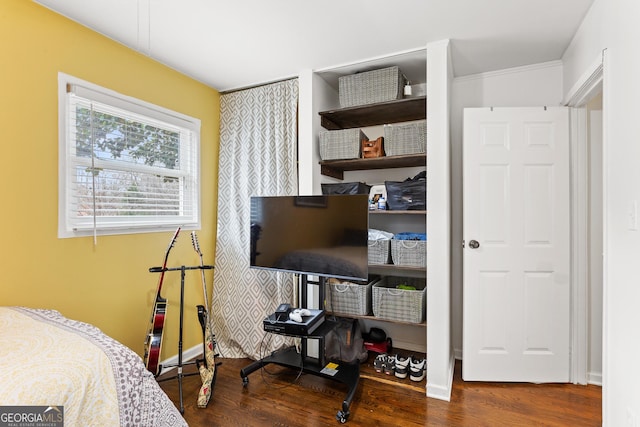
pixel 189 129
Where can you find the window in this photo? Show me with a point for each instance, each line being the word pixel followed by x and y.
pixel 126 166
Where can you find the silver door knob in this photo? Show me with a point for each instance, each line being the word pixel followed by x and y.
pixel 473 244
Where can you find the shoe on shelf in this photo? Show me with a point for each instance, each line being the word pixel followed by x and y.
pixel 380 362
pixel 389 367
pixel 417 369
pixel 401 366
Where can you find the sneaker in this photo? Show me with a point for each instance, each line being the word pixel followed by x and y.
pixel 389 367
pixel 417 369
pixel 402 366
pixel 380 362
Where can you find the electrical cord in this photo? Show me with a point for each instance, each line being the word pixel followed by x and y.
pixel 264 370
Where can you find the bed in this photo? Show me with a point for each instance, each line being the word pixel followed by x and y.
pixel 48 360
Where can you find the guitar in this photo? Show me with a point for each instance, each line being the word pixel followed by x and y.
pixel 153 343
pixel 208 370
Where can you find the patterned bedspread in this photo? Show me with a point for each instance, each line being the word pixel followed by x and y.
pixel 47 359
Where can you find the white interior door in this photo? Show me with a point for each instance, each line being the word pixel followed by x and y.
pixel 517 245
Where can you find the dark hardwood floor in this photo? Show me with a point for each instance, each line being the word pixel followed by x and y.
pixel 276 396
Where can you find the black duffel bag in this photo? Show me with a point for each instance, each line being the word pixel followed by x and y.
pixel 344 343
pixel 410 194
pixel 346 188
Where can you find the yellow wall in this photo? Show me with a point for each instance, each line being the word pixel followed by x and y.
pixel 107 285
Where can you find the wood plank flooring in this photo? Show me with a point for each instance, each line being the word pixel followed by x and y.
pixel 276 396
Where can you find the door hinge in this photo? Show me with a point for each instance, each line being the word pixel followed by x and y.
pixel 462 243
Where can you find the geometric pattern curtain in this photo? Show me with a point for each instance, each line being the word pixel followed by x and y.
pixel 258 157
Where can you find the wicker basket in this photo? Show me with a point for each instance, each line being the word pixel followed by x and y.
pixel 408 138
pixel 379 251
pixel 371 87
pixel 348 298
pixel 341 144
pixel 410 253
pixel 399 304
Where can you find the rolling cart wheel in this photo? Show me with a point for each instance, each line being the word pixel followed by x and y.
pixel 245 381
pixel 342 416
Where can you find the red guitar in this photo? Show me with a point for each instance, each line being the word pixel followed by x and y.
pixel 153 343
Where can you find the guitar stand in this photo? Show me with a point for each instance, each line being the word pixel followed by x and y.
pixel 180 363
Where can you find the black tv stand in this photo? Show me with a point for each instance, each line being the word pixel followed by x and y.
pixel 346 373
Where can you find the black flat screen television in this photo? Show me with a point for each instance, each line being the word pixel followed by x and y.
pixel 317 235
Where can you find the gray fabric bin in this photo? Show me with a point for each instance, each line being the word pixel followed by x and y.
pixel 371 87
pixel 399 304
pixel 379 251
pixel 341 144
pixel 408 138
pixel 348 297
pixel 409 253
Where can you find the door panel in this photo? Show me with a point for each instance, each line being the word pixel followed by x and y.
pixel 516 282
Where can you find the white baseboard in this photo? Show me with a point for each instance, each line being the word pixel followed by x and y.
pixel 457 353
pixel 442 392
pixel 594 378
pixel 188 354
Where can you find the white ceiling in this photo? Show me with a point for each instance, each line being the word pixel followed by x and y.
pixel 238 43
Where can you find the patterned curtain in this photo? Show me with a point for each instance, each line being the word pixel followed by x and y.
pixel 258 157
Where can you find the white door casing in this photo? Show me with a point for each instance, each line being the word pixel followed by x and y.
pixel 516 205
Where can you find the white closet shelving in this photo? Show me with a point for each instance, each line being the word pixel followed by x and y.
pixel 319 94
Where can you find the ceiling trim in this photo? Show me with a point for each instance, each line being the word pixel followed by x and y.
pixel 513 70
pixel 374 59
pixel 587 84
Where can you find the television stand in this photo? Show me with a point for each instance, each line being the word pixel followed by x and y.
pixel 346 373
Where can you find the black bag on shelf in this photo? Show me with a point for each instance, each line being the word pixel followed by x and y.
pixel 346 188
pixel 344 342
pixel 410 194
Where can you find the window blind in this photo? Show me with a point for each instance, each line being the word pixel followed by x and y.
pixel 127 165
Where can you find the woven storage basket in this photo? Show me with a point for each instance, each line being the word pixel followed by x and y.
pixel 410 253
pixel 371 87
pixel 379 251
pixel 408 138
pixel 341 144
pixel 348 298
pixel 399 304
